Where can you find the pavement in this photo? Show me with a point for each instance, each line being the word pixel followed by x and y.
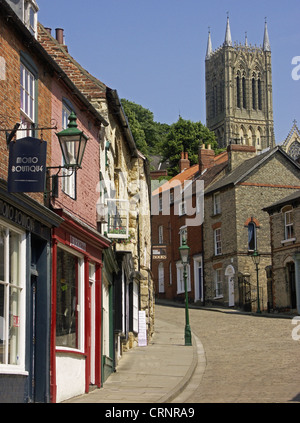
pixel 164 371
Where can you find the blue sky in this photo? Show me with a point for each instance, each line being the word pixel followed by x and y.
pixel 153 51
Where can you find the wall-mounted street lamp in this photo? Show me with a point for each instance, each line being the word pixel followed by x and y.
pixel 184 251
pixel 72 142
pixel 256 260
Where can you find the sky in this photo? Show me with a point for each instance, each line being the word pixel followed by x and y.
pixel 153 51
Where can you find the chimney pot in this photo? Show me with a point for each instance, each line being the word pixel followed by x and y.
pixel 48 30
pixel 59 32
pixel 184 162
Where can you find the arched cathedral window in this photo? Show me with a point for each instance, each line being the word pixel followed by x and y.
pixel 253 92
pixel 238 94
pixel 244 91
pixel 259 93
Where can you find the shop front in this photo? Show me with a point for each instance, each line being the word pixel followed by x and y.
pixel 25 277
pixel 76 324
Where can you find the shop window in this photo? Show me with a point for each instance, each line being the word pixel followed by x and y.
pixel 69 305
pixel 12 298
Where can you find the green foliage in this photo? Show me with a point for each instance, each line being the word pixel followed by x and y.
pixel 186 136
pixel 154 138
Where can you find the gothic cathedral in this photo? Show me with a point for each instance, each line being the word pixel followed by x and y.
pixel 239 107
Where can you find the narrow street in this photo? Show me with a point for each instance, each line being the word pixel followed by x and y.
pixel 249 358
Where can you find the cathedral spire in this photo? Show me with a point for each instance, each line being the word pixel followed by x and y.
pixel 228 41
pixel 209 46
pixel 266 44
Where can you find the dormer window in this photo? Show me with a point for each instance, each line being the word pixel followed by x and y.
pixel 30 16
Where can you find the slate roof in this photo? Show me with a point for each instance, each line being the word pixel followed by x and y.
pixel 248 166
pixel 290 199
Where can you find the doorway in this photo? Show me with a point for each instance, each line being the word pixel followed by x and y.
pixel 292 284
pixel 229 272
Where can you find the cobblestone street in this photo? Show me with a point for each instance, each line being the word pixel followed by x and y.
pixel 249 358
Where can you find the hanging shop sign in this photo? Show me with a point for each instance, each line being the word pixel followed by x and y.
pixel 27 165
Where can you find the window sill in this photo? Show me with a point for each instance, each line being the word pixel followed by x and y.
pixel 13 371
pixel 285 241
pixel 217 297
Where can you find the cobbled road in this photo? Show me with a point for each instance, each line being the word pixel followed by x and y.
pixel 249 358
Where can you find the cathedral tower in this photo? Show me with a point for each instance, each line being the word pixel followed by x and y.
pixel 239 106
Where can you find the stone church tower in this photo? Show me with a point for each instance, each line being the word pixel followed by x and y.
pixel 239 107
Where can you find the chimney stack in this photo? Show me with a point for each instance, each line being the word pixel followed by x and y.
pixel 184 162
pixel 237 154
pixel 206 157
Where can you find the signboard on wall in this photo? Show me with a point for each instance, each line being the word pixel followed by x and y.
pixel 159 252
pixel 27 165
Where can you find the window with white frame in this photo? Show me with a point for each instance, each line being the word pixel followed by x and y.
pixel 288 223
pixel 181 208
pixel 180 277
pixel 161 278
pixel 12 298
pixel 30 16
pixel 160 234
pixel 217 241
pixel 69 179
pixel 217 203
pixel 170 273
pixel 69 299
pixel 218 283
pixel 27 101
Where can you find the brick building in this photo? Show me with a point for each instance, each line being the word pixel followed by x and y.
pixel 284 272
pixel 177 213
pixel 235 225
pixel 25 222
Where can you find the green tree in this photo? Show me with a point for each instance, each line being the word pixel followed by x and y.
pixel 144 130
pixel 187 136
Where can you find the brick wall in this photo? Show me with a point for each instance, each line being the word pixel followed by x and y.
pixel 10 47
pixel 87 178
